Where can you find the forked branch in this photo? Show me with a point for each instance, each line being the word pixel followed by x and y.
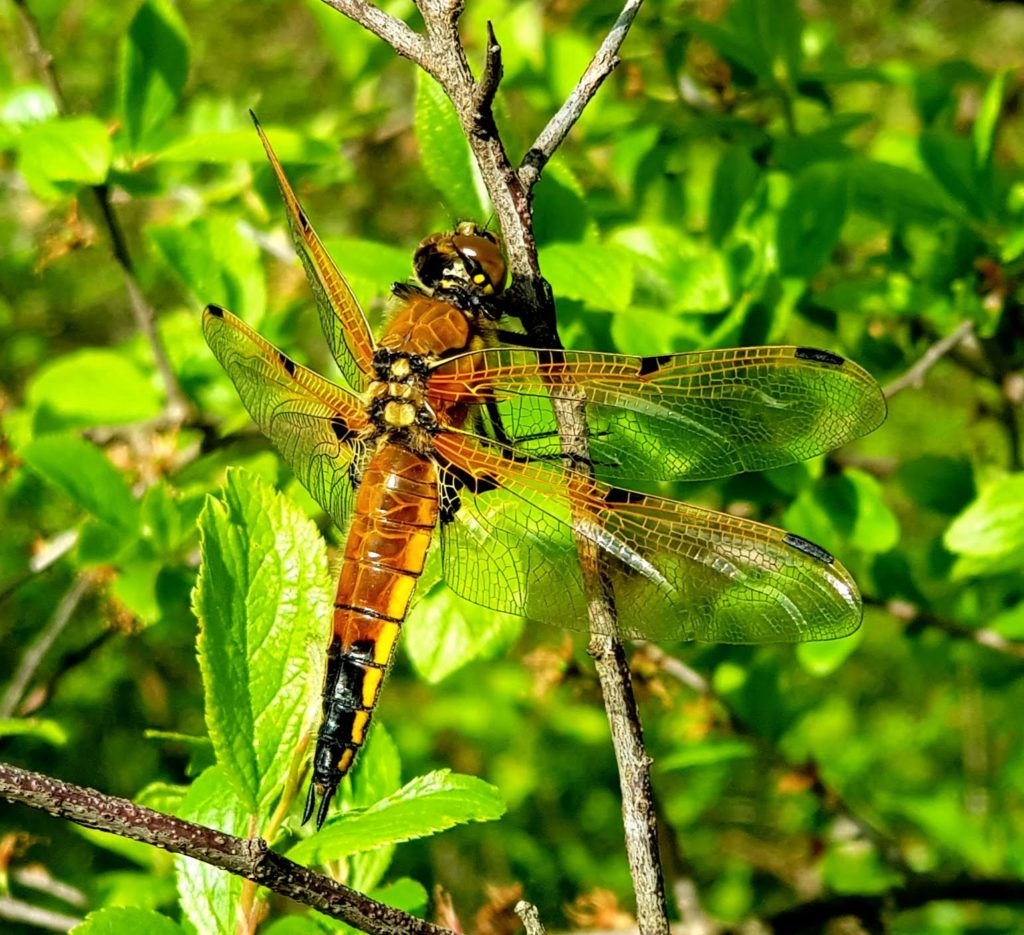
pixel 510 190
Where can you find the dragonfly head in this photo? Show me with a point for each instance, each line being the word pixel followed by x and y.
pixel 468 257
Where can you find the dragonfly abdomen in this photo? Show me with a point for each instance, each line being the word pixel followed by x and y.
pixel 392 523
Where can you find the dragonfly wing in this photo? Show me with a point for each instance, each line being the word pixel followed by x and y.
pixel 510 533
pixel 677 417
pixel 312 422
pixel 343 322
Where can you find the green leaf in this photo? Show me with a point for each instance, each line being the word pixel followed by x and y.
pixel 736 179
pixel 120 919
pixel 951 160
pixel 446 156
pixel 705 752
pixel 82 472
pixel 426 806
pixel 811 220
pixel 379 771
pixel 938 482
pixel 41 728
pixel 215 263
pixel 27 105
pixel 405 894
pixel 154 67
pixel 209 896
pixel 262 600
pixel 227 146
pixel 91 387
pixel 983 134
pixel 991 529
pixel 444 633
pixel 597 274
pixel 828 655
pixel 58 156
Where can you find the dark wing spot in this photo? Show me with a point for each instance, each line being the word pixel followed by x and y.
pixel 822 357
pixel 287 363
pixel 653 364
pixel 619 495
pixel 808 548
pixel 341 430
pixel 215 310
pixel 304 224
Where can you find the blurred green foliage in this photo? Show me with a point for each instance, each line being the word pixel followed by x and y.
pixel 844 175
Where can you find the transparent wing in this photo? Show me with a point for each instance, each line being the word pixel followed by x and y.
pixel 510 534
pixel 311 421
pixel 678 417
pixel 344 325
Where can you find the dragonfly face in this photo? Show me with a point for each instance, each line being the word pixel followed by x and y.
pixel 443 434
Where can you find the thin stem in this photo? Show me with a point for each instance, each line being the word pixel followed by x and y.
pixel 530 918
pixel 37 651
pixel 445 59
pixel 15 910
pixel 251 859
pixel 178 407
pixel 604 62
pixel 914 377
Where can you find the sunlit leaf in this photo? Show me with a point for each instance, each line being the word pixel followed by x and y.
pixel 262 601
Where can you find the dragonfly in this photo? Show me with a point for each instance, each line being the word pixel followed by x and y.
pixel 443 431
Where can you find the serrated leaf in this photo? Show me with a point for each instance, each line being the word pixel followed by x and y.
pixel 262 599
pixel 91 387
pixel 215 263
pixel 210 897
pixel 120 919
pixel 444 633
pixel 599 275
pixel 58 156
pixel 446 157
pixel 40 728
pixel 425 806
pixel 82 472
pixel 154 67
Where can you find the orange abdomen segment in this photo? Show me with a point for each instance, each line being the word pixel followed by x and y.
pixel 393 521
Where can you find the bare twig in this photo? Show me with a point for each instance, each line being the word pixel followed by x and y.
pixel 986 637
pixel 530 917
pixel 37 651
pixel 251 859
pixel 177 407
pixel 36 877
pixel 914 377
pixel 604 62
pixel 15 910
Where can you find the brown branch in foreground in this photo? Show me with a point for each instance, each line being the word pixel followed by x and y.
pixel 177 408
pixel 251 859
pixel 604 62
